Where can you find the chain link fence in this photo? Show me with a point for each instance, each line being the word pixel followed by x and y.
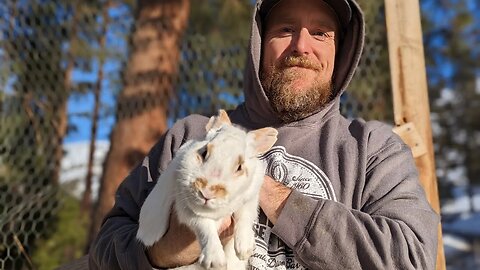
pixel 51 54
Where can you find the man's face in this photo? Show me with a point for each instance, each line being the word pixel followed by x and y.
pixel 298 57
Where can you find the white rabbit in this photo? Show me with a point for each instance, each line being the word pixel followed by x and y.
pixel 207 181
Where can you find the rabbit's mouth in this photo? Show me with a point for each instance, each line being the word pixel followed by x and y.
pixel 210 204
pixel 204 202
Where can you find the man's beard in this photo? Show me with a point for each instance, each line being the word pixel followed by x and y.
pixel 289 104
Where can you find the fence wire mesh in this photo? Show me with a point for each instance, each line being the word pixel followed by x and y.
pixel 58 58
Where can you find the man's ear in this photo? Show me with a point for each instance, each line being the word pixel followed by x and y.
pixel 216 122
pixel 263 139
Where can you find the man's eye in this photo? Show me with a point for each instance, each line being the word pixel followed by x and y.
pixel 319 35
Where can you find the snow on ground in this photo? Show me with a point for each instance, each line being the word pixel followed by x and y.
pixel 74 166
pixel 461 204
pixel 461 232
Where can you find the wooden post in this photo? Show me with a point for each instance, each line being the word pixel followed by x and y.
pixel 410 93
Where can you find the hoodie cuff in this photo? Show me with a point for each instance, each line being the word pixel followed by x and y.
pixel 295 219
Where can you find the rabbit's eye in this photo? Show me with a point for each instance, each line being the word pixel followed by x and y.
pixel 202 154
pixel 240 162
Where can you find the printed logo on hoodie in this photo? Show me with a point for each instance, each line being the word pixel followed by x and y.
pixel 296 173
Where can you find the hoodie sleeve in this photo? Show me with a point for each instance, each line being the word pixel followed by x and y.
pixel 395 228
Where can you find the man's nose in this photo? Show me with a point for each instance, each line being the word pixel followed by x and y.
pixel 301 42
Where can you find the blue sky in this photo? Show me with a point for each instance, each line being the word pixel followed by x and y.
pixel 80 104
pixel 83 125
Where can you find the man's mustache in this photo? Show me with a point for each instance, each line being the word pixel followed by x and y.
pixel 298 61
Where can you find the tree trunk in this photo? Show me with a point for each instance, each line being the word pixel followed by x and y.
pixel 86 203
pixel 469 162
pixel 142 105
pixel 61 118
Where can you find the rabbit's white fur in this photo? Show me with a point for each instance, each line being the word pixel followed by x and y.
pixel 207 181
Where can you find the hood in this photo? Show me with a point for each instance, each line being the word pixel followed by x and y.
pixel 257 109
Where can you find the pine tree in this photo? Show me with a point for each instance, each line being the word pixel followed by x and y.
pixel 141 115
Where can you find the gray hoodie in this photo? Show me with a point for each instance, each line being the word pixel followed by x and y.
pixel 357 202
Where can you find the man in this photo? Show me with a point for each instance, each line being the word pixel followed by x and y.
pixel 338 194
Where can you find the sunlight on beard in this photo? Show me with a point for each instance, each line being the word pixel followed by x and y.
pixel 298 80
pixel 295 89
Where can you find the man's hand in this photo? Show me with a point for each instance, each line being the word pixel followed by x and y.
pixel 179 245
pixel 273 196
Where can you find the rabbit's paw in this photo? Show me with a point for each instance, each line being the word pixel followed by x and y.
pixel 244 246
pixel 213 258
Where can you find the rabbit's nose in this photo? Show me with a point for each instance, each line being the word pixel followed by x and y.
pixel 207 194
pixel 212 192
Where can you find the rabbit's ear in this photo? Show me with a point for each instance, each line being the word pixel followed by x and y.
pixel 216 122
pixel 263 139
